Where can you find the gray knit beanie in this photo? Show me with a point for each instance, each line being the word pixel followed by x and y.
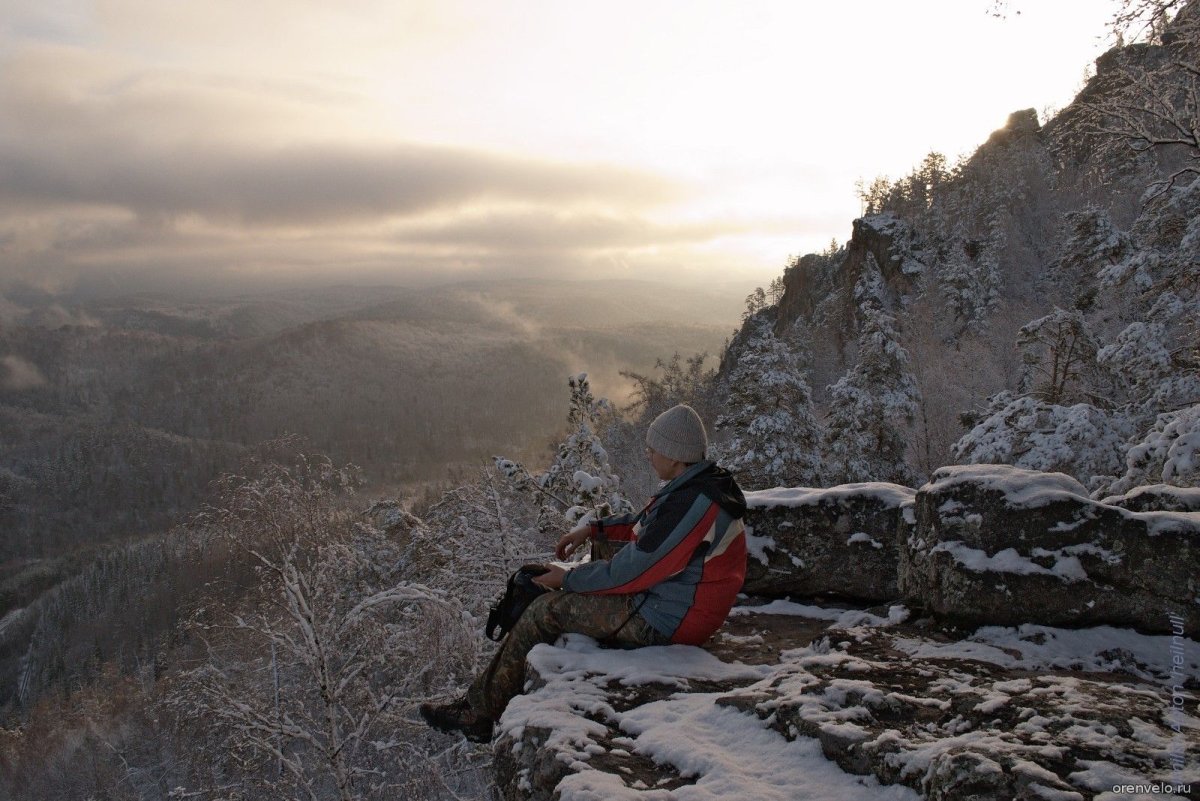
pixel 678 433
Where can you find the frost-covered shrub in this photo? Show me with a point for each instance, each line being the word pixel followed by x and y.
pixel 310 679
pixel 1080 440
pixel 579 484
pixel 1168 454
pixel 471 539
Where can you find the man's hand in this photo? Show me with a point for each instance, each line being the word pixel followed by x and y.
pixel 568 543
pixel 552 579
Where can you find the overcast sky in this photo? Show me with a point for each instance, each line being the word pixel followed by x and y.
pixel 361 140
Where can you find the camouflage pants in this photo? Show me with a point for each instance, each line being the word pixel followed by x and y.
pixel 611 619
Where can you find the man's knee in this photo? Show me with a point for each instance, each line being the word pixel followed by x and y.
pixel 542 614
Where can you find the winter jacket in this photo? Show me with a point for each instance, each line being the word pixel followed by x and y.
pixel 685 555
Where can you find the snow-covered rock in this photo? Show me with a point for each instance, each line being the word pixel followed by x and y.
pixel 840 541
pixel 793 701
pixel 896 246
pixel 1158 498
pixel 1003 545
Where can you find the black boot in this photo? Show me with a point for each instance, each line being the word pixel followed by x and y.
pixel 457 716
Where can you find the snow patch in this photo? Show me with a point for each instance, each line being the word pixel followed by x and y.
pixel 1097 649
pixel 891 495
pixel 862 536
pixel 757 546
pixel 1066 567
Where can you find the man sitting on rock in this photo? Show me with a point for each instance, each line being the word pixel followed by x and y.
pixel 680 566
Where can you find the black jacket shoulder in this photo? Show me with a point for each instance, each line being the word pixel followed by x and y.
pixel 719 486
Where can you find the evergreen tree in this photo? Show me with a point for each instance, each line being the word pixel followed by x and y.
pixel 1092 243
pixel 776 437
pixel 1095 408
pixel 775 290
pixel 756 301
pixel 969 278
pixel 873 404
pixel 1155 359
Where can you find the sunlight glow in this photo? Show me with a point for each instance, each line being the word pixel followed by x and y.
pixel 762 116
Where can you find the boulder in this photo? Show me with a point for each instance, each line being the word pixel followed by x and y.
pixel 1003 545
pixel 840 541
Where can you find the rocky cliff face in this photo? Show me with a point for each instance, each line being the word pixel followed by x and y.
pixel 1006 546
pixel 986 544
pixel 943 691
pixel 968 255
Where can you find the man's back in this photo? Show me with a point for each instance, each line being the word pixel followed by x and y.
pixel 687 557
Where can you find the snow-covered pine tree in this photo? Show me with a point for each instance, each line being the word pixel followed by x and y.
pixel 968 278
pixel 776 437
pixel 1097 409
pixel 1155 359
pixel 1057 421
pixel 580 484
pixel 1092 242
pixel 872 406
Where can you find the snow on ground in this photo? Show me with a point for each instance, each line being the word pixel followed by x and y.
pixel 1097 649
pixel 842 618
pixel 725 753
pixel 574 666
pixel 731 755
pixel 675 722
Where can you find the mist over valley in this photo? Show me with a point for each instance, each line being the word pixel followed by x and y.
pixel 116 412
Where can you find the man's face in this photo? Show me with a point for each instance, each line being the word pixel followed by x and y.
pixel 665 468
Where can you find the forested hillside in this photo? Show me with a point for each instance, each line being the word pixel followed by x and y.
pixel 1037 304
